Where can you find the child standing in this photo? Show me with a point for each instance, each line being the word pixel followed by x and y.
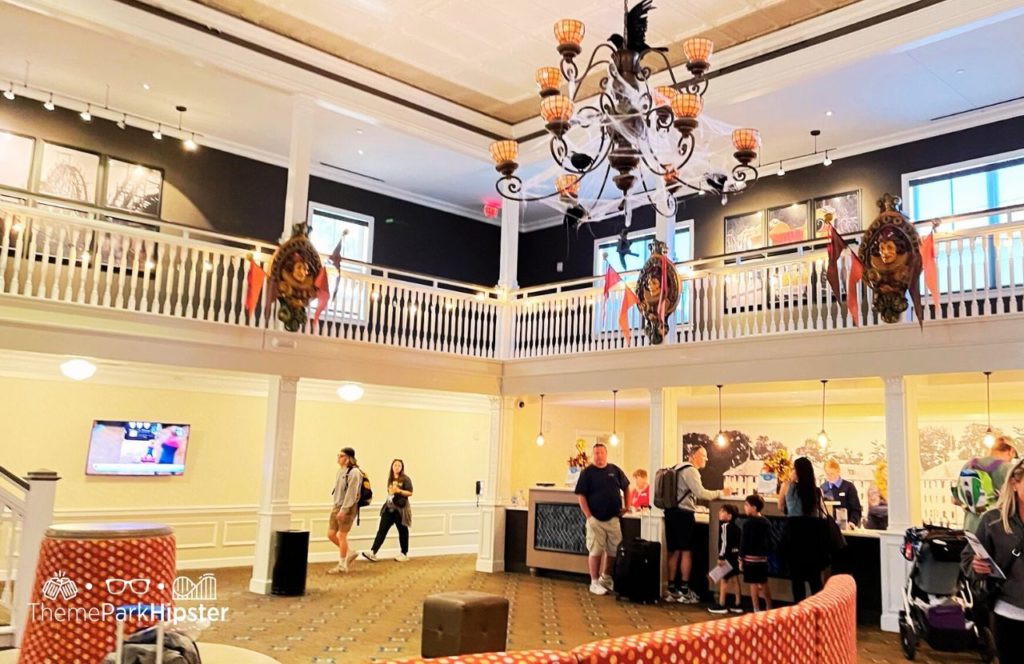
pixel 728 554
pixel 755 545
pixel 642 494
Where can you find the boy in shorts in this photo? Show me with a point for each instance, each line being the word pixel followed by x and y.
pixel 755 545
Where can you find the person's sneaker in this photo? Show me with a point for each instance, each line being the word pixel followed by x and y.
pixel 340 568
pixel 597 588
pixel 402 558
pixel 717 608
pixel 607 582
pixel 350 559
pixel 688 597
pixel 370 555
pixel 736 608
pixel 673 595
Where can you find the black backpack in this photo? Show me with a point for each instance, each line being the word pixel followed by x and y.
pixel 365 492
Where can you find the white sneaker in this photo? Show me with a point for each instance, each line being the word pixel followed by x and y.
pixel 402 558
pixel 689 597
pixel 340 568
pixel 597 588
pixel 607 582
pixel 370 555
pixel 352 555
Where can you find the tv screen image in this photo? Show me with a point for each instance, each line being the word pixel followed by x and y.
pixel 137 448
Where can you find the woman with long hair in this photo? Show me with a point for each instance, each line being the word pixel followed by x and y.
pixel 806 532
pixel 395 512
pixel 1001 532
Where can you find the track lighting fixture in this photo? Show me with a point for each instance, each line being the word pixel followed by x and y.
pixel 48 104
pixel 781 171
pixel 827 161
pixel 159 134
pixel 9 92
pixel 123 122
pixel 86 115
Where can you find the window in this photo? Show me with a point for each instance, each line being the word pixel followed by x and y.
pixel 328 226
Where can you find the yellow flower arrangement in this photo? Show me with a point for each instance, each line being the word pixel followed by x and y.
pixel 580 460
pixel 778 462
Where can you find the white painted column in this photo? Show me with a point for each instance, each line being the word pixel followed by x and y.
pixel 39 500
pixel 300 157
pixel 274 512
pixel 663 432
pixel 665 230
pixel 511 212
pixel 497 488
pixel 904 463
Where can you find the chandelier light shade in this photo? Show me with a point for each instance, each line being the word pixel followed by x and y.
pixel 698 52
pixel 823 439
pixel 686 105
pixel 666 96
pixel 990 436
pixel 548 79
pixel 746 141
pixel 504 154
pixel 556 108
pixel 540 428
pixel 568 185
pixel 569 33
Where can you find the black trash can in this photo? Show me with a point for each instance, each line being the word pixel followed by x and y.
pixel 291 553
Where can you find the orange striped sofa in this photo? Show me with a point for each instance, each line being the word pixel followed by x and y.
pixel 820 630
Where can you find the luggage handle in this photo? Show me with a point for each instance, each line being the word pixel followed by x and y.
pixel 161 627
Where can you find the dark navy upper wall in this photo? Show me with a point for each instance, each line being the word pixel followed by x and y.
pixel 226 193
pixel 873 173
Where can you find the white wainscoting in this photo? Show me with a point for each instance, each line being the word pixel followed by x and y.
pixel 224 535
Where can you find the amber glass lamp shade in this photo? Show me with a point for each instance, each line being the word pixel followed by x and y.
pixel 569 33
pixel 686 105
pixel 504 154
pixel 746 141
pixel 556 111
pixel 666 96
pixel 568 185
pixel 548 80
pixel 698 54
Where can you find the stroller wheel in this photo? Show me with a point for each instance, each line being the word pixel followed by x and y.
pixel 908 640
pixel 987 645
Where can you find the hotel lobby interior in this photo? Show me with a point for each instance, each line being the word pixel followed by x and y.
pixel 248 245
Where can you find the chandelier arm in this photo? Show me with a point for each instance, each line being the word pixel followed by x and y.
pixel 579 78
pixel 513 185
pixel 650 199
pixel 668 65
pixel 697 86
pixel 559 150
pixel 683 182
pixel 663 118
pixel 740 172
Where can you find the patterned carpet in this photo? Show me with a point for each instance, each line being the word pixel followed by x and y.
pixel 374 613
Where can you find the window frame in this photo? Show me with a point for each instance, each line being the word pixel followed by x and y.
pixel 359 313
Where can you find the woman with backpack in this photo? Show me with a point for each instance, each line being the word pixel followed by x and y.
pixel 806 539
pixel 395 512
pixel 348 484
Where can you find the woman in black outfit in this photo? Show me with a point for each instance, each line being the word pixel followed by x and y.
pixel 395 512
pixel 806 538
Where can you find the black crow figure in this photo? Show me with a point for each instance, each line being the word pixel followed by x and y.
pixel 623 247
pixel 636 30
pixel 580 160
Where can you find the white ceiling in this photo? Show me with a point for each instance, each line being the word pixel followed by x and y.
pixel 872 94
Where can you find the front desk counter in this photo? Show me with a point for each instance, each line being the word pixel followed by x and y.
pixel 549 535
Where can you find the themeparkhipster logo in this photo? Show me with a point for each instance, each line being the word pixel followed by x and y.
pixel 60 589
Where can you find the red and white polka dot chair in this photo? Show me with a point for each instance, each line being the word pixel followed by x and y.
pixel 85 571
pixel 523 657
pixel 781 636
pixel 835 610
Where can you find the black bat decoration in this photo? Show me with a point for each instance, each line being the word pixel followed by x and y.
pixel 636 30
pixel 623 247
pixel 580 160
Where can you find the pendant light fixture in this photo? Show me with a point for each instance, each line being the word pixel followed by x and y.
pixel 614 440
pixel 823 440
pixel 721 440
pixel 48 104
pixel 540 429
pixel 990 436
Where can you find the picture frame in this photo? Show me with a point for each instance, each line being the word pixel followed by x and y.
pixel 744 232
pixel 134 188
pixel 68 173
pixel 49 244
pixel 788 224
pixel 17 154
pixel 846 208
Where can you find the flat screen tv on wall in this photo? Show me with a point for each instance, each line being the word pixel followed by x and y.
pixel 137 448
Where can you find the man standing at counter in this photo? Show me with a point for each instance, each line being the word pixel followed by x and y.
pixel 603 492
pixel 843 492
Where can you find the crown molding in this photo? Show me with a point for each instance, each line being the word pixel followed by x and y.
pixel 36 366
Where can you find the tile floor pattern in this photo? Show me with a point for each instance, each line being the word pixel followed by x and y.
pixel 374 613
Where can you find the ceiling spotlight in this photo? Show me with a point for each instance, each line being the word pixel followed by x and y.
pixel 781 171
pixel 9 93
pixel 145 86
pixel 86 115
pixel 828 114
pixel 351 392
pixel 48 105
pixel 827 161
pixel 159 134
pixel 78 369
pixel 190 143
pixel 360 151
pixel 700 192
pixel 123 122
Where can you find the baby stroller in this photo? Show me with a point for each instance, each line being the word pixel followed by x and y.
pixel 938 605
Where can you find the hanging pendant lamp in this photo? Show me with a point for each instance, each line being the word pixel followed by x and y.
pixel 614 440
pixel 540 429
pixel 721 439
pixel 823 439
pixel 990 436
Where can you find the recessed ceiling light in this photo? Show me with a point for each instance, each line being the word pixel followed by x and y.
pixel 961 71
pixel 351 392
pixel 145 86
pixel 359 151
pixel 78 369
pixel 359 131
pixel 828 114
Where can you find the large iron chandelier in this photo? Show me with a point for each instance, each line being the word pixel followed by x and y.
pixel 629 119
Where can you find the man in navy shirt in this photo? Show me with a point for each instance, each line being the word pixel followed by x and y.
pixel 603 492
pixel 842 491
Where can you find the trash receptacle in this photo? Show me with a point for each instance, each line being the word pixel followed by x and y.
pixel 291 553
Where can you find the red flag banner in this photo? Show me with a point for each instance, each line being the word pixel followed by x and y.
pixel 254 285
pixel 836 246
pixel 611 277
pixel 322 293
pixel 629 300
pixel 852 287
pixel 931 269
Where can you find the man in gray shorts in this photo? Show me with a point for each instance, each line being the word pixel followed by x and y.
pixel 603 492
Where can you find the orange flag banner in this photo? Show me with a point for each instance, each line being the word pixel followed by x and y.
pixel 629 300
pixel 931 270
pixel 611 277
pixel 322 293
pixel 852 284
pixel 254 286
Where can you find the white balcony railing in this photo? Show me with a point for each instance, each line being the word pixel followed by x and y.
pixel 70 257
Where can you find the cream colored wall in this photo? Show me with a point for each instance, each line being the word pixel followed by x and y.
pixel 532 464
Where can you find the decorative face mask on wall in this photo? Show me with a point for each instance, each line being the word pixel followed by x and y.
pixel 891 255
pixel 293 278
pixel 658 292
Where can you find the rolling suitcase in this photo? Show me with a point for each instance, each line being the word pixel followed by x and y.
pixel 637 572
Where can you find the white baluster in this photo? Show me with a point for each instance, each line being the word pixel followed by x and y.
pixel 19 246
pixel 176 274
pixel 96 266
pixel 155 257
pixel 136 247
pixel 1002 243
pixel 208 288
pixel 1014 270
pixel 122 271
pixel 6 224
pixel 44 263
pixel 32 230
pixel 58 265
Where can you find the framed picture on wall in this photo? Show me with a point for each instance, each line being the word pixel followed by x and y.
pixel 788 223
pixel 69 173
pixel 845 209
pixel 744 232
pixel 133 187
pixel 16 160
pixel 50 243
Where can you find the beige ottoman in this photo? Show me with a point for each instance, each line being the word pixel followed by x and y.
pixel 463 623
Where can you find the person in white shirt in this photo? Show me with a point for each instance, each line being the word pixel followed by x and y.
pixel 347 486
